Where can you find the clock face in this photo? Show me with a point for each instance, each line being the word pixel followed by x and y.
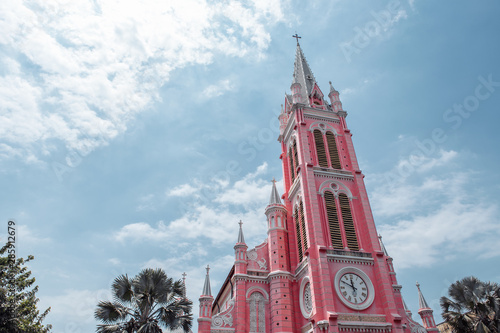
pixel 353 288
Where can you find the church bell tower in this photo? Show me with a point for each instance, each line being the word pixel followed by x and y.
pixel 345 281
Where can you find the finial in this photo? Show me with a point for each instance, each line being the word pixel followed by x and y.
pixel 296 37
pixel 282 108
pixel 184 276
pixel 331 87
pixel 418 285
pixel 240 223
pixel 208 269
pixel 273 181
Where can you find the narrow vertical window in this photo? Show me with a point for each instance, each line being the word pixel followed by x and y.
pixel 333 220
pixel 297 233
pixel 303 226
pixel 292 169
pixel 295 155
pixel 350 232
pixel 332 149
pixel 320 149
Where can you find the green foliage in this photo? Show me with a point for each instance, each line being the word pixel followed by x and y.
pixel 18 310
pixel 144 304
pixel 473 306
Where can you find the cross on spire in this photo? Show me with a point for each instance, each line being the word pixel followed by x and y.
pixel 240 223
pixel 297 38
pixel 273 181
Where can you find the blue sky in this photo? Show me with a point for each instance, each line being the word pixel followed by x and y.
pixel 137 134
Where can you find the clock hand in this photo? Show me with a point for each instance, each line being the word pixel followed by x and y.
pixel 347 284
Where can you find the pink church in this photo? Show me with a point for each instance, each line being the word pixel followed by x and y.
pixel 322 268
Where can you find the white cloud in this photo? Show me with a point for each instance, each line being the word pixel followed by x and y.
pixel 218 89
pixel 78 315
pixel 435 213
pixel 212 211
pixel 183 190
pixel 77 72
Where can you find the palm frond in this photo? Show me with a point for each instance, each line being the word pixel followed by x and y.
pixel 122 289
pixel 109 312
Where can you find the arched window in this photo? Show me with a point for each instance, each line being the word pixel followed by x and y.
pixel 292 169
pixel 332 149
pixel 297 233
pixel 320 148
pixel 303 226
pixel 295 155
pixel 350 232
pixel 257 313
pixel 333 220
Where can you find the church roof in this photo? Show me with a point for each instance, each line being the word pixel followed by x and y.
pixel 302 74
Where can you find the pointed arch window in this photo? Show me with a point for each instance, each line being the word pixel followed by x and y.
pixel 320 148
pixel 303 226
pixel 332 149
pixel 290 161
pixel 333 220
pixel 297 233
pixel 295 155
pixel 257 313
pixel 350 232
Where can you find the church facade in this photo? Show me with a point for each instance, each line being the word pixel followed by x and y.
pixel 323 267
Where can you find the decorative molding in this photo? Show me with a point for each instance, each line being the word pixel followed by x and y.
pixel 294 188
pixel 252 254
pixel 262 264
pixel 224 318
pixel 365 327
pixel 300 268
pixel 348 259
pixel 257 289
pixel 333 173
pixel 361 317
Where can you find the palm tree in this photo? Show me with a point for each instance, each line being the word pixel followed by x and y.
pixel 473 306
pixel 144 304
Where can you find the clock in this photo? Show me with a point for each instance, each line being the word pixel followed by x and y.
pixel 354 288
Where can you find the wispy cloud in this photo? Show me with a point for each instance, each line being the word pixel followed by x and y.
pixel 76 74
pixel 436 215
pixel 218 89
pixel 211 217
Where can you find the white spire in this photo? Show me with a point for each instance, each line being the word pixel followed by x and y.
pixel 275 197
pixel 206 287
pixel 302 74
pixel 241 239
pixel 421 300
